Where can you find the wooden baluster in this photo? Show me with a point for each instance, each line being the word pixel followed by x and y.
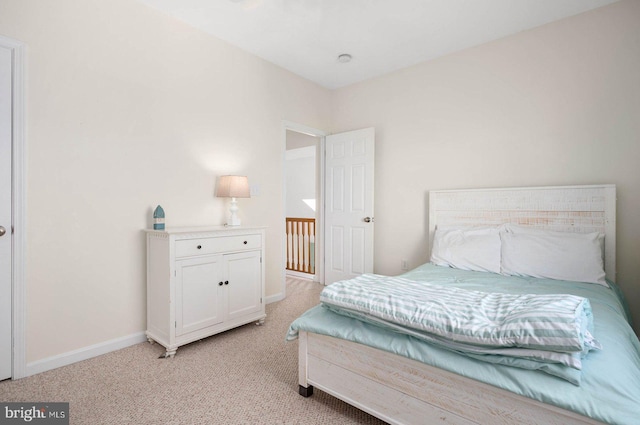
pixel 305 250
pixel 294 236
pixel 289 245
pixel 312 247
pixel 300 248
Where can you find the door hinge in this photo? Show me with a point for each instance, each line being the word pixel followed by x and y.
pixel 175 324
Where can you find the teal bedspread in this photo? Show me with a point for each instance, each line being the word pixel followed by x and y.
pixel 610 378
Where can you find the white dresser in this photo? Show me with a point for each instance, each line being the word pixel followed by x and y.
pixel 202 281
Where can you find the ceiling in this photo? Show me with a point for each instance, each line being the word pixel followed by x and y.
pixel 307 36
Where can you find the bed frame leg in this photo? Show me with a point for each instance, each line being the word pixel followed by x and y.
pixel 305 391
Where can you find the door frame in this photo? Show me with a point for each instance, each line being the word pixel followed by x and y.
pixel 320 134
pixel 18 193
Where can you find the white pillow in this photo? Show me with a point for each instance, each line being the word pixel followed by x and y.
pixel 553 255
pixel 469 248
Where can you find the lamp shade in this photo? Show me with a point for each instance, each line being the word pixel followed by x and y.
pixel 233 187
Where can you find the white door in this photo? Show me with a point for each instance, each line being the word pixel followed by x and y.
pixel 5 213
pixel 349 204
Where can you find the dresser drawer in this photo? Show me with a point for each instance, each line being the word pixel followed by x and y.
pixel 202 246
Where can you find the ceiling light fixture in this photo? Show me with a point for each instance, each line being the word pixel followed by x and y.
pixel 344 58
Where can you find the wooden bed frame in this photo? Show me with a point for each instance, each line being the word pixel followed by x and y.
pixel 404 391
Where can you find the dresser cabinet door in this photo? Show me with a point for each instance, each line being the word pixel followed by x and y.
pixel 244 290
pixel 199 300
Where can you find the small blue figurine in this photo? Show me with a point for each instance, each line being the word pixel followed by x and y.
pixel 158 218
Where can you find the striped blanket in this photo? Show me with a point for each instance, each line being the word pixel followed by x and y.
pixel 543 328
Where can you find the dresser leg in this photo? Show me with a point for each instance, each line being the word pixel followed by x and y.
pixel 169 353
pixel 260 322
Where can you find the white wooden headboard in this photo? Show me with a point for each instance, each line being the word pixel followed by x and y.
pixel 580 209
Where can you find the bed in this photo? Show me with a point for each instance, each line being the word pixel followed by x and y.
pixel 402 380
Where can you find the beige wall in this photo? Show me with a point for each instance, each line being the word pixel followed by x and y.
pixel 557 105
pixel 126 109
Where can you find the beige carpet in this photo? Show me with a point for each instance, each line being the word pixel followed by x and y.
pixel 244 376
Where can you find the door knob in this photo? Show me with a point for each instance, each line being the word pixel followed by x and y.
pixel 368 219
pixel 2 231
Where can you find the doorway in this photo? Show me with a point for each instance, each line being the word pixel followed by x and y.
pixel 302 204
pixel 313 137
pixel 344 205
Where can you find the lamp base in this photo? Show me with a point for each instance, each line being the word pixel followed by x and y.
pixel 234 220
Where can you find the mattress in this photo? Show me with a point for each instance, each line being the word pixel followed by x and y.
pixel 610 382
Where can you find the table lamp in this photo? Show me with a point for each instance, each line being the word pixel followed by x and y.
pixel 233 187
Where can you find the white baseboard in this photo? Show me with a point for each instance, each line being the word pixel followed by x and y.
pixel 274 298
pixel 300 275
pixel 85 353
